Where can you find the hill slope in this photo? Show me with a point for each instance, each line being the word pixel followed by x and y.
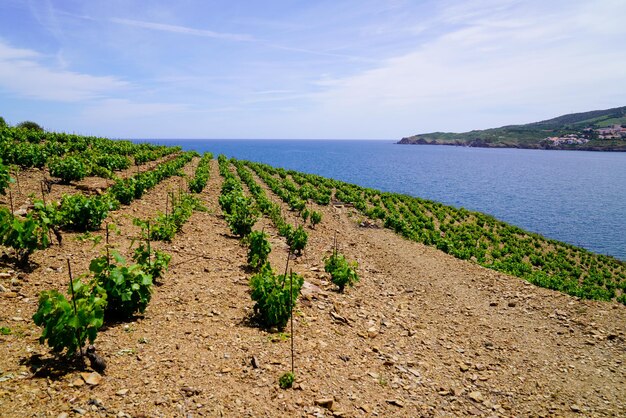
pixel 532 135
pixel 422 334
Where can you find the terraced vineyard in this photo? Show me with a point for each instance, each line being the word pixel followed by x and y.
pixel 176 263
pixel 464 234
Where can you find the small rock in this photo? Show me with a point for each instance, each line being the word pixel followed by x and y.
pixel 255 362
pixel 95 404
pixel 574 407
pixel 63 415
pixel 338 317
pixel 366 408
pixel 122 392
pixel 325 402
pixel 161 401
pixel 372 332
pixel 476 396
pixel 191 391
pixel 463 368
pixel 475 411
pixel 395 402
pixel 78 382
pixel 92 379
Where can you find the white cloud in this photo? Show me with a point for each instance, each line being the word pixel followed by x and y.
pixel 23 74
pixel 328 71
pixel 505 58
pixel 183 30
pixel 9 53
pixel 124 109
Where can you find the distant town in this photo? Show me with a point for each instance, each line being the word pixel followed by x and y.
pixel 613 132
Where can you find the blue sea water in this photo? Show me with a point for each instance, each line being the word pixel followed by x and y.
pixel 573 196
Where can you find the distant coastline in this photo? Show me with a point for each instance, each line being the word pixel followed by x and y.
pixel 479 143
pixel 596 130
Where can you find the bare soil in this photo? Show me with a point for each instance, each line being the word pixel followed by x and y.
pixel 421 334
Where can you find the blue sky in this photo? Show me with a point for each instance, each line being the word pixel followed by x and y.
pixel 306 69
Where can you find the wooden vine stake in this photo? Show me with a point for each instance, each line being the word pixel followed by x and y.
pixel 291 317
pixel 43 192
pixel 17 181
pixel 107 246
pixel 148 241
pixel 290 305
pixel 43 199
pixel 69 271
pixel 11 201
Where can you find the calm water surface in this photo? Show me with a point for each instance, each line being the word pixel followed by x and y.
pixel 573 196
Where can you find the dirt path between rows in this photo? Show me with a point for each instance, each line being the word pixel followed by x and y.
pixel 422 334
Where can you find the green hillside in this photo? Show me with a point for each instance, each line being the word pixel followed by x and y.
pixel 583 126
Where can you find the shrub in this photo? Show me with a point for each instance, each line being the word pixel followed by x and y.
pixel 165 226
pixel 197 184
pixel 82 213
pixel 68 324
pixel 163 229
pixel 295 203
pixel 274 296
pixel 5 178
pixel 112 162
pixel 342 272
pixel 30 125
pixel 297 240
pixel 102 172
pixel 316 217
pixel 243 215
pixel 67 169
pixel 23 235
pixel 258 249
pixel 123 191
pixel 305 215
pixel 231 191
pixel 153 262
pixel 286 380
pixel 128 288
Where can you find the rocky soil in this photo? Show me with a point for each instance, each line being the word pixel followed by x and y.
pixel 422 333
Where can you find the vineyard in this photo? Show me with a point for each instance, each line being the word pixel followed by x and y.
pixel 142 279
pixel 463 234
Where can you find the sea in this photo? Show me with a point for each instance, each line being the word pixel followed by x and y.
pixel 578 197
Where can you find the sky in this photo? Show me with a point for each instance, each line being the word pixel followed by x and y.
pixel 291 69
